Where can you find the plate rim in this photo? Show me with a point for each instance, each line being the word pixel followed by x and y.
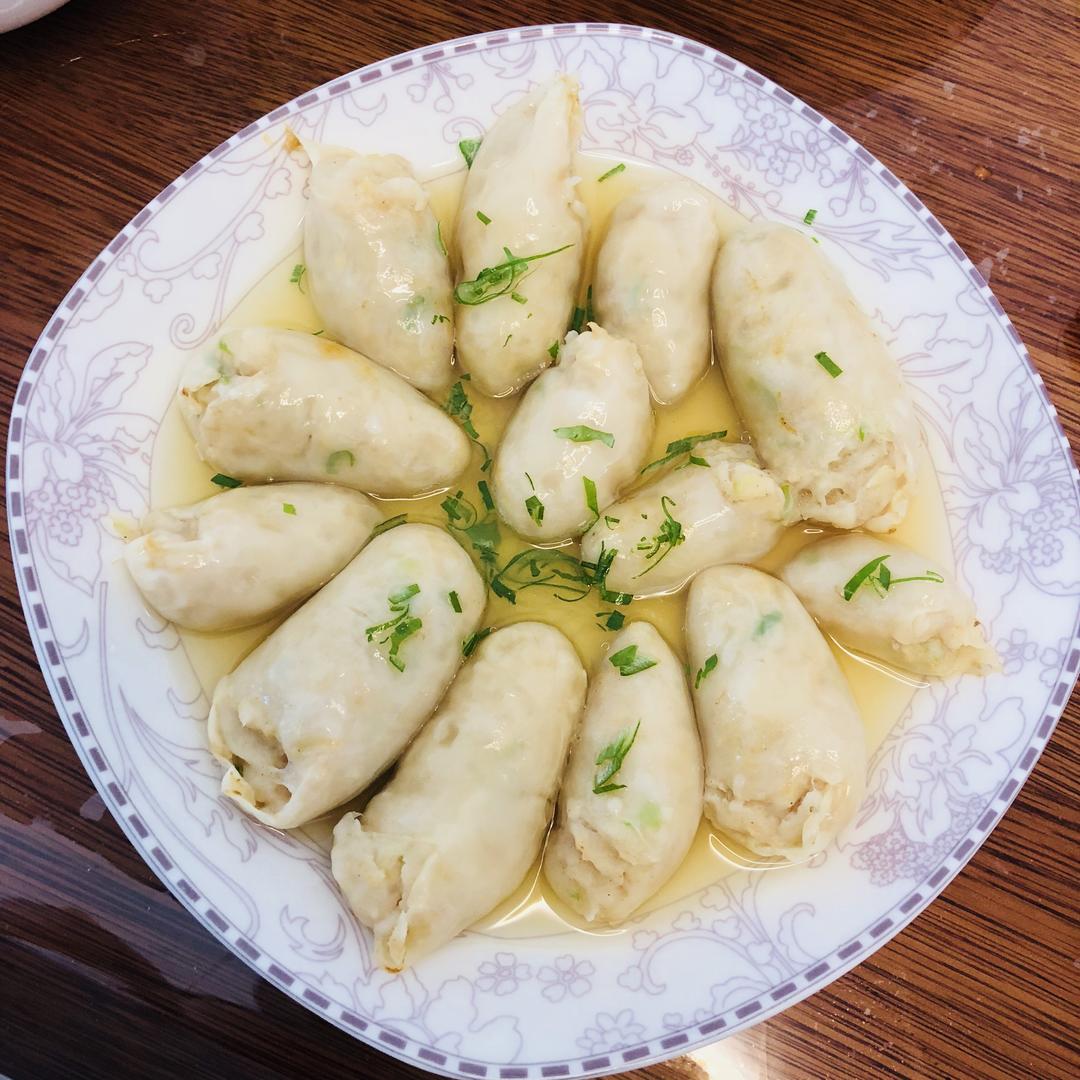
pixel 65 698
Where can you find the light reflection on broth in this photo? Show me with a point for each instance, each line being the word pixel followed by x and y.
pixel 882 694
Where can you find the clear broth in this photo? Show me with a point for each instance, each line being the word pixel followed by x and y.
pixel 178 476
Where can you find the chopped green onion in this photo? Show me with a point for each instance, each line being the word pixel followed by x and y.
pixel 878 576
pixel 388 524
pixel 535 508
pixel 706 670
pixel 808 217
pixel 621 167
pixel 288 508
pixel 470 643
pixel 468 148
pixel 401 627
pixel 483 218
pixel 580 433
pixel 460 408
pixel 669 536
pixel 766 622
pixel 338 458
pixel 455 602
pixel 519 299
pixel 610 760
pixel 499 280
pixel 226 481
pixel 485 494
pixel 590 496
pixel 297 276
pixel 438 318
pixel 683 446
pixel 610 521
pixel 826 362
pixel 438 238
pixel 553 350
pixel 610 620
pixel 629 663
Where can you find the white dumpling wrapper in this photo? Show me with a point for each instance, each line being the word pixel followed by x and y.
pixel 844 446
pixel 598 383
pixel 522 179
pixel 785 751
pixel 271 404
pixel 316 712
pixel 464 817
pixel 652 281
pixel 730 511
pixel 231 560
pixel 609 852
pixel 376 268
pixel 927 627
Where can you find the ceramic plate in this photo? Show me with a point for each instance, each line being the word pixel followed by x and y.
pixel 82 438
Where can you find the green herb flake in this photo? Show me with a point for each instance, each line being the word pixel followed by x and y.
pixel 318 333
pixel 468 646
pixel 621 167
pixel 224 347
pixel 438 238
pixel 683 446
pixel 650 816
pixel 460 409
pixel 401 627
pixel 388 524
pixel 583 315
pixel 705 670
pixel 862 433
pixel 610 521
pixel 499 280
pixel 482 534
pixel 339 458
pixel 610 760
pixel 827 363
pixel 590 496
pixel 629 663
pixel 485 494
pixel 468 148
pixel 553 350
pixel 535 508
pixel 288 508
pixel 438 319
pixel 483 218
pixel 455 602
pixel 580 433
pixel 224 481
pixel 299 272
pixel 610 620
pixel 878 576
pixel 668 537
pixel 766 623
pixel 808 217
pixel 519 299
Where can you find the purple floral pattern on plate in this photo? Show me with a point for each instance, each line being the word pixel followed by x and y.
pixel 82 435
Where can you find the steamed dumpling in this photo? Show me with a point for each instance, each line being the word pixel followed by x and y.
pixel 652 281
pixel 231 560
pixel 925 626
pixel 377 270
pixel 464 817
pixel 785 753
pixel 334 695
pixel 817 389
pixel 522 182
pixel 727 510
pixel 619 835
pixel 586 422
pixel 284 405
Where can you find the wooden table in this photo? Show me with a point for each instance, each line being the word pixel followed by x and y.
pixel 972 102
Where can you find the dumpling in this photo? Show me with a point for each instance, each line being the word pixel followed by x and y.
pixel 231 560
pixel 693 516
pixel 521 234
pixel 630 802
pixel 283 405
pixel 334 695
pixel 818 391
pixel 578 436
pixel 652 281
pixel 464 817
pixel 890 602
pixel 785 752
pixel 377 270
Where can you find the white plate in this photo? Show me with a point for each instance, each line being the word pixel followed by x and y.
pixel 82 434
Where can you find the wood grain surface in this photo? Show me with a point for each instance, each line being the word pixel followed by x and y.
pixel 972 103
